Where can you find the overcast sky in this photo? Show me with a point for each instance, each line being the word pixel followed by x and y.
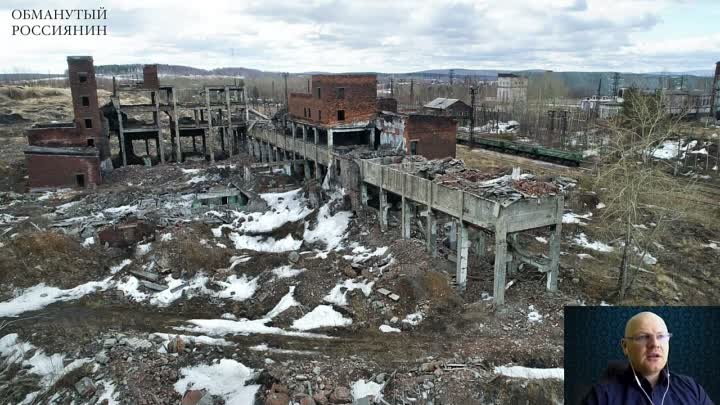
pixel 381 36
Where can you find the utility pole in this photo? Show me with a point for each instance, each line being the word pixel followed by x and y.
pixel 287 105
pixel 473 91
pixel 616 83
pixel 412 92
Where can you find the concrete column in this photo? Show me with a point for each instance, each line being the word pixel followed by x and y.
pixel 123 152
pixel 306 169
pixel 431 232
pixel 316 140
pixel 406 218
pixel 229 121
pixel 552 277
pixel 500 258
pixel 159 143
pixel 316 136
pixel 306 165
pixel 330 144
pixel 371 137
pixel 383 210
pixel 463 246
pixel 178 151
pixel 480 244
pixel 211 138
pixel 452 235
pixel 363 193
pixel 292 144
pixel 512 265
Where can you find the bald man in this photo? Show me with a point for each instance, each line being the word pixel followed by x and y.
pixel 647 380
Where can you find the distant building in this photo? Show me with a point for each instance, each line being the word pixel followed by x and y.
pixel 511 88
pixel 685 102
pixel 448 107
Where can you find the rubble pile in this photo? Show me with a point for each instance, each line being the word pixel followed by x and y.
pixel 503 185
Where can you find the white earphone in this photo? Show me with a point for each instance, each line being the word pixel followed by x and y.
pixel 643 390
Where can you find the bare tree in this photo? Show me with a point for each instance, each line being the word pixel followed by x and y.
pixel 642 197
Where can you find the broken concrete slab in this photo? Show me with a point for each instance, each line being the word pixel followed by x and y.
pixel 145 274
pixel 153 286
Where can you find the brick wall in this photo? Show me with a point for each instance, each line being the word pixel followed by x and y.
pixel 387 104
pixel 436 136
pixel 60 171
pixel 83 87
pixel 358 101
pixel 55 137
pixel 150 77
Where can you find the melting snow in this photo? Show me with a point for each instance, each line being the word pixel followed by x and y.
pixel 388 329
pixel 120 266
pixel 238 289
pixel 261 244
pixel 530 373
pixel 337 294
pixel 582 240
pixel 40 296
pixel 571 218
pixel 361 389
pixel 330 229
pixel 320 317
pixel 286 272
pixel 122 210
pixel 227 378
pixel 50 368
pixel 286 302
pixel 414 319
pixel 541 239
pixel 9 219
pixel 533 315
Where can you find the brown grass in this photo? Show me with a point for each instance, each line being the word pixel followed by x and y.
pixel 45 256
pixel 24 93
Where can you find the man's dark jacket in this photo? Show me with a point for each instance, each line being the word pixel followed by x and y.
pixel 621 388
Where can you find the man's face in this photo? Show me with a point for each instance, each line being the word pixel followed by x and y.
pixel 649 357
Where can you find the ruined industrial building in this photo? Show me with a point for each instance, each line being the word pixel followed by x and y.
pixel 183 243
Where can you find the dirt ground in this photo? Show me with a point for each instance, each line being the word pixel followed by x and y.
pixel 448 357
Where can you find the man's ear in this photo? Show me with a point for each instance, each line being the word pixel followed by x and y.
pixel 623 345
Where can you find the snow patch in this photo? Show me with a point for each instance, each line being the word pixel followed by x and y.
pixel 389 329
pixel 227 379
pixel 533 315
pixel 337 295
pixel 530 373
pixel 571 218
pixel 320 317
pixel 286 272
pixel 41 295
pixel 362 389
pixel 582 240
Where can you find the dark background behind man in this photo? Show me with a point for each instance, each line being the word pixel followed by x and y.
pixel 592 340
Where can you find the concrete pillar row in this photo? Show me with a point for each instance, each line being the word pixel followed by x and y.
pixel 364 194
